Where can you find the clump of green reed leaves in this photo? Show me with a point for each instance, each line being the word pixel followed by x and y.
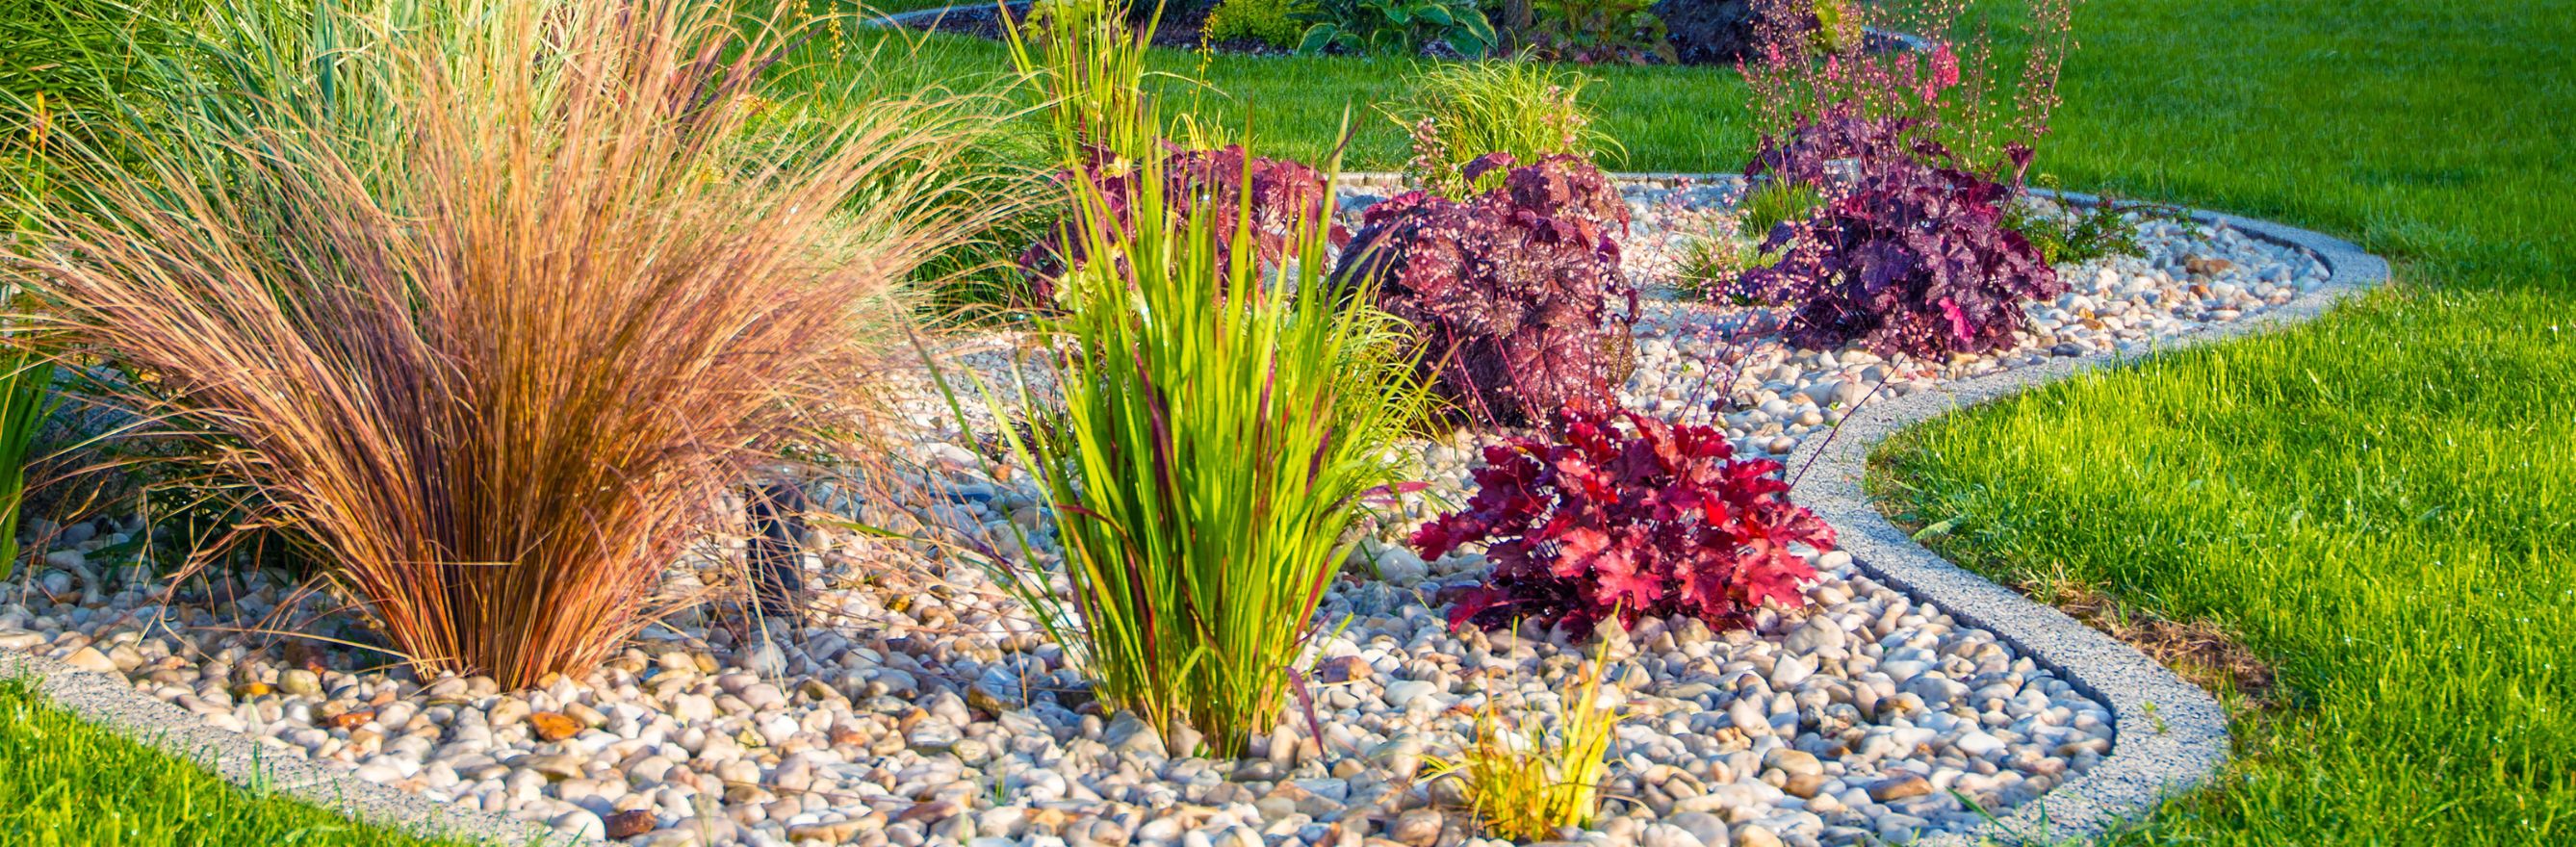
pixel 1215 429
pixel 1712 259
pixel 1460 111
pixel 26 372
pixel 1771 203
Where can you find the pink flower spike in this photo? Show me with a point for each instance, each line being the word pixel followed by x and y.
pixel 1945 65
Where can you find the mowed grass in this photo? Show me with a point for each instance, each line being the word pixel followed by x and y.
pixel 1669 118
pixel 2378 503
pixel 65 783
pixel 2383 503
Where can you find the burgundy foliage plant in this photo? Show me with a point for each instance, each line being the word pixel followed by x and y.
pixel 1515 293
pixel 1284 192
pixel 1647 518
pixel 1911 255
pixel 1919 156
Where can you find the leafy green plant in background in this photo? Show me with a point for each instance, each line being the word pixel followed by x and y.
pixel 1217 438
pixel 1770 203
pixel 1598 31
pixel 1461 111
pixel 1272 22
pixel 1838 28
pixel 1402 27
pixel 2069 233
pixel 1087 68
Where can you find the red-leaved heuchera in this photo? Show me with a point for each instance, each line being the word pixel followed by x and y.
pixel 1627 514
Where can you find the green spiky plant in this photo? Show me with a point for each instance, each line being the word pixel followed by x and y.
pixel 1460 111
pixel 26 374
pixel 26 404
pixel 1772 203
pixel 1217 430
pixel 1524 784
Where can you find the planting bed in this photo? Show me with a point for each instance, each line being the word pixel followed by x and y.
pixel 917 702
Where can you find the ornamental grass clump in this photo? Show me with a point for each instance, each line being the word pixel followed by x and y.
pixel 1526 785
pixel 1615 521
pixel 1460 112
pixel 1086 65
pixel 27 400
pixel 485 307
pixel 1217 430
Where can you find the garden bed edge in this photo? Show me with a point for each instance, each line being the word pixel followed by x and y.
pixel 2171 734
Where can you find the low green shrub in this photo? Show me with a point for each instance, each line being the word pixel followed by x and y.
pixel 1403 27
pixel 1769 204
pixel 1459 112
pixel 1272 22
pixel 1599 31
pixel 1712 260
pixel 2072 233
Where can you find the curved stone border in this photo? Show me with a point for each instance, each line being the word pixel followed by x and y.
pixel 2170 734
pixel 110 702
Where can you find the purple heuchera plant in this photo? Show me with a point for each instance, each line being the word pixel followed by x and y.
pixel 1286 194
pixel 1909 256
pixel 1649 518
pixel 1513 291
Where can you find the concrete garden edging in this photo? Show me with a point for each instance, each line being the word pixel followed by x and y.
pixel 110 702
pixel 2184 739
pixel 2172 735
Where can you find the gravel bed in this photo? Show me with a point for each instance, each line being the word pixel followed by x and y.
pixel 916 703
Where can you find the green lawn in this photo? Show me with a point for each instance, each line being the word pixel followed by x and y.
pixel 1669 118
pixel 64 783
pixel 2382 504
pixel 2378 504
